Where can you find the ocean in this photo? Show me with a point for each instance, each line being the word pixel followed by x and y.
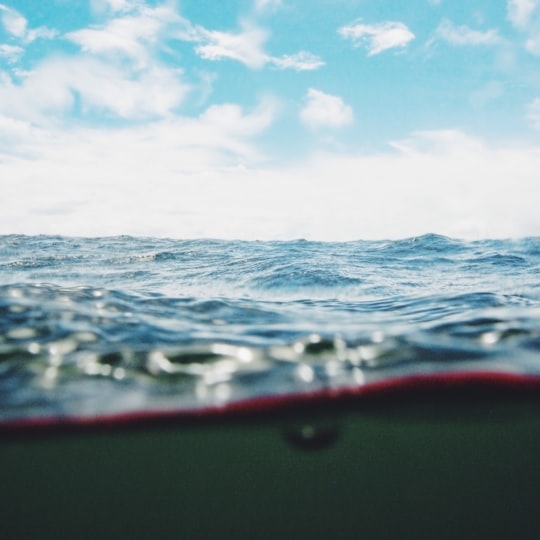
pixel 105 327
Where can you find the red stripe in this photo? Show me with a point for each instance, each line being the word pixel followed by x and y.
pixel 448 381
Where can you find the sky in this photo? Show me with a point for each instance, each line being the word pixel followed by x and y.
pixel 270 119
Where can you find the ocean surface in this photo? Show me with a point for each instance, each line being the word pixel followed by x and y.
pixel 122 325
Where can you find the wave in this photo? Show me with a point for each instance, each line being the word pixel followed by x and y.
pixel 96 326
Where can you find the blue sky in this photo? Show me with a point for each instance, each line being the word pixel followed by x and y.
pixel 327 119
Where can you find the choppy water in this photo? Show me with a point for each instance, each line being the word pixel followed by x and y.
pixel 118 325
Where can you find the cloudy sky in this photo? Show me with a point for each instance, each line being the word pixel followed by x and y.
pixel 266 119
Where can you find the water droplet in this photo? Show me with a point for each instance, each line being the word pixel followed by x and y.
pixel 119 373
pixel 61 347
pixel 21 333
pixel 34 348
pixel 310 435
pixel 15 293
pixel 305 373
pixel 490 338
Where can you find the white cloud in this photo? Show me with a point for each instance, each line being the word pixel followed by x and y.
pixel 142 88
pixel 325 111
pixel 525 16
pixel 463 35
pixel 520 11
pixel 230 118
pixel 97 85
pixel 42 32
pixel 301 61
pixel 14 23
pixel 203 176
pixel 49 91
pixel 190 144
pixel 11 52
pixel 165 180
pixel 102 181
pixel 13 131
pixel 377 37
pixel 245 47
pixel 17 25
pixel 437 143
pixel 139 29
pixel 114 6
pixel 131 35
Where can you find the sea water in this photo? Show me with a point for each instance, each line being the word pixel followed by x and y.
pixel 92 327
